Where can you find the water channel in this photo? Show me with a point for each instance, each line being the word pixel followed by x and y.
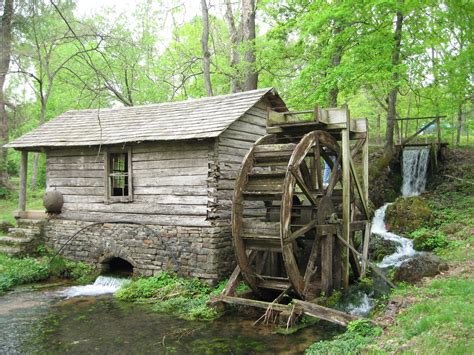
pixel 56 320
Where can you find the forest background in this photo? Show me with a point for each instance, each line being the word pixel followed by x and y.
pixel 385 59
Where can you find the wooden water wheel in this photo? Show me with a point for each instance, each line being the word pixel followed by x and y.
pixel 292 229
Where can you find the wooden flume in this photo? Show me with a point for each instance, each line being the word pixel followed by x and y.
pixel 286 217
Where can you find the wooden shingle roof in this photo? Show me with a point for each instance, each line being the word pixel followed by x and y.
pixel 200 118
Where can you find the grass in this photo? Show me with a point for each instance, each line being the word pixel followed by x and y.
pixel 16 271
pixel 34 201
pixel 187 298
pixel 436 315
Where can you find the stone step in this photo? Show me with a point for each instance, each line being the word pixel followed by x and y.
pixel 10 250
pixel 12 241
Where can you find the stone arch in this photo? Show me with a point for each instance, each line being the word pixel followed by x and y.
pixel 117 262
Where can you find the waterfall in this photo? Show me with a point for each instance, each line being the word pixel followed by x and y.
pixel 405 246
pixel 102 285
pixel 414 168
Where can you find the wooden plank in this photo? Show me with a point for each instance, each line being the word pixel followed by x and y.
pixel 195 154
pixel 76 182
pixel 73 166
pixel 23 180
pixel 77 190
pixel 165 220
pixel 325 313
pixel 171 190
pixel 155 172
pixel 138 208
pixel 188 180
pixel 171 163
pixel 73 173
pixel 75 159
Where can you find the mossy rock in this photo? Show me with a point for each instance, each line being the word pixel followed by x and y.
pixel 407 214
pixel 380 247
pixel 426 239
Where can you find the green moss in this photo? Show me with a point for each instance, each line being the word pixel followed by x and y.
pixel 407 214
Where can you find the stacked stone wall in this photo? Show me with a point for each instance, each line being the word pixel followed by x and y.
pixel 202 252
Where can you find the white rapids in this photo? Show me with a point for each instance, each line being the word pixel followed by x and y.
pixel 405 246
pixel 101 286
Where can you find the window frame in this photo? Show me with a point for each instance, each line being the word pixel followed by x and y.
pixel 109 198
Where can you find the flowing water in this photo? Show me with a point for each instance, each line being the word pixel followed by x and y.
pixel 53 321
pixel 102 285
pixel 414 169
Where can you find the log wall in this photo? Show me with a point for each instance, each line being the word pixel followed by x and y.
pixel 170 184
pixel 233 145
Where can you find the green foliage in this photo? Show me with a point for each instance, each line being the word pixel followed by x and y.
pixel 428 239
pixel 169 293
pixel 16 271
pixel 359 334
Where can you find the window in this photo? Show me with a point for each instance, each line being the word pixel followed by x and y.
pixel 119 176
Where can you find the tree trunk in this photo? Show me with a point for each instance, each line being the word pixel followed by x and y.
pixel 392 96
pixel 335 61
pixel 34 169
pixel 206 56
pixel 234 58
pixel 5 52
pixel 248 36
pixel 459 127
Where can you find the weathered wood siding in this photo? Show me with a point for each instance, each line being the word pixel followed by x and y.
pixel 170 184
pixel 233 145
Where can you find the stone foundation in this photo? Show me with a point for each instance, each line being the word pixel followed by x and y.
pixel 202 252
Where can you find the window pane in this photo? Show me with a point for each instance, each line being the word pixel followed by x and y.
pixel 118 167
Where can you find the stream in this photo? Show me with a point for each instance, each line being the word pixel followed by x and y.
pixel 88 319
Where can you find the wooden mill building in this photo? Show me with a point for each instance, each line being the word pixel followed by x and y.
pixel 158 178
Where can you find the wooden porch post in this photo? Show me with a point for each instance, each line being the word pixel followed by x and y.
pixel 23 176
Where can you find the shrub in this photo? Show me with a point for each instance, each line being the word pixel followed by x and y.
pixel 428 239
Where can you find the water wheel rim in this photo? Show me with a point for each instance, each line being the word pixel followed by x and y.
pixel 243 259
pixel 300 152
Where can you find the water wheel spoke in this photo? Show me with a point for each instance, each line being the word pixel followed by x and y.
pixel 311 267
pixel 301 231
pixel 304 188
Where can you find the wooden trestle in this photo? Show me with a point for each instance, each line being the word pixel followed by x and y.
pixel 291 230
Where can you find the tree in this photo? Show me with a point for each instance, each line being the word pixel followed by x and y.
pixel 242 38
pixel 206 56
pixel 392 96
pixel 5 53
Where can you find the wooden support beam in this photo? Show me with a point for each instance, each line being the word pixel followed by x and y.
pixel 327 242
pixel 300 307
pixel 365 249
pixel 376 269
pixel 325 313
pixel 346 198
pixel 23 178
